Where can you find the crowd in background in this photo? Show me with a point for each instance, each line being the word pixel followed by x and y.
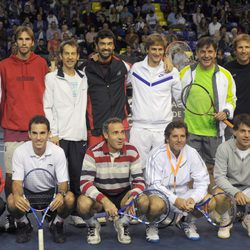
pixel 131 21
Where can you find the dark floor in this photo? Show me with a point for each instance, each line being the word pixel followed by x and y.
pixel 171 238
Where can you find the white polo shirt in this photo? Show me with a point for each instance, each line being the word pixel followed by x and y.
pixel 54 160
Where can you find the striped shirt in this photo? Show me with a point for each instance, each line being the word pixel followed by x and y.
pixel 101 176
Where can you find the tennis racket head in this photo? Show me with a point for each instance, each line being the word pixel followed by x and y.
pixel 143 216
pixel 40 188
pixel 180 54
pixel 197 100
pixel 220 209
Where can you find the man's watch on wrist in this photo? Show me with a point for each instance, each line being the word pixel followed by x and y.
pixel 62 193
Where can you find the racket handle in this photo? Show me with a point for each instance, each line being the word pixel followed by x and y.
pixel 40 239
pixel 228 123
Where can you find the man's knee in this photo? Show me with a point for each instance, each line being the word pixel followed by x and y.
pixel 84 205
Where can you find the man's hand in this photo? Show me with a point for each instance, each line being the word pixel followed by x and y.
pixel 21 203
pixel 55 140
pixel 185 205
pixel 168 64
pixel 131 209
pixel 95 57
pixel 241 198
pixel 109 207
pixel 57 202
pixel 220 116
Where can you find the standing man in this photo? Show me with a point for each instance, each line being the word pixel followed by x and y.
pixel 232 172
pixel 206 132
pixel 240 70
pixel 39 153
pixel 111 176
pixel 153 90
pixel 170 168
pixel 65 102
pixel 22 86
pixel 106 76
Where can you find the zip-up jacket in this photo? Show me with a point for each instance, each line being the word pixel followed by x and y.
pixel 67 115
pixel 223 89
pixel 152 94
pixel 106 94
pixel 22 88
pixel 159 174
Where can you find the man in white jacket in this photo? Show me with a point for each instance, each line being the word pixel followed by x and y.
pixel 153 90
pixel 170 168
pixel 65 101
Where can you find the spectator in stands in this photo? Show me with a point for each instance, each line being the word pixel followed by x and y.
pixel 171 18
pixel 202 28
pixel 53 28
pixel 124 14
pixel 197 16
pixel 41 48
pixel 39 24
pixel 65 32
pixel 114 17
pixel 90 39
pixel 53 44
pixel 147 7
pixel 51 18
pixel 214 26
pixel 88 17
pixel 151 20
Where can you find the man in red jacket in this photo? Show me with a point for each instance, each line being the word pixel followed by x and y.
pixel 21 91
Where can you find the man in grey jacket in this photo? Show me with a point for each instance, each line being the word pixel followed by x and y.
pixel 232 172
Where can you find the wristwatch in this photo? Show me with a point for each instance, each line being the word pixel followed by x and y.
pixel 62 193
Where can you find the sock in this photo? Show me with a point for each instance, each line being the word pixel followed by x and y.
pixel 91 221
pixel 23 219
pixel 58 219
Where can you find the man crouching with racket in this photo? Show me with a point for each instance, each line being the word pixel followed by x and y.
pixel 170 168
pixel 232 172
pixel 111 176
pixel 40 183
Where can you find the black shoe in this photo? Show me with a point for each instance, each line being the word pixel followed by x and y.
pixel 23 232
pixel 10 225
pixel 57 232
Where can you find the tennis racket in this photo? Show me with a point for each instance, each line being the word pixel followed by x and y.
pixel 140 216
pixel 219 210
pixel 197 100
pixel 44 189
pixel 180 54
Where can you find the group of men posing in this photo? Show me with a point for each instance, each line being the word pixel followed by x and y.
pixel 53 118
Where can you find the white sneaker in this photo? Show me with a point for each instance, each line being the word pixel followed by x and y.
pixel 102 220
pixel 246 224
pixel 189 229
pixel 224 232
pixel 122 232
pixel 93 236
pixel 152 235
pixel 78 221
pixel 134 222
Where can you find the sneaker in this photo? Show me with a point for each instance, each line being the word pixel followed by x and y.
pixel 122 232
pixel 134 222
pixel 23 232
pixel 152 235
pixel 246 224
pixel 102 220
pixel 10 224
pixel 93 236
pixel 189 229
pixel 224 232
pixel 57 232
pixel 78 221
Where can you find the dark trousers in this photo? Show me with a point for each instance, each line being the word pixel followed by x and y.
pixel 74 151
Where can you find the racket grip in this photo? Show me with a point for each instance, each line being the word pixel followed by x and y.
pixel 228 123
pixel 40 239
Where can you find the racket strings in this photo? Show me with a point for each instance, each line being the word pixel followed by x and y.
pixel 196 100
pixel 221 210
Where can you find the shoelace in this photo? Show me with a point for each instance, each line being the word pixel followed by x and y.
pixel 126 232
pixel 91 231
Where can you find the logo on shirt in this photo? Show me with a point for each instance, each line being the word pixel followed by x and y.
pixel 119 73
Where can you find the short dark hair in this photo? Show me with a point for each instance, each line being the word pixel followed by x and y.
pixel 241 119
pixel 104 34
pixel 72 42
pixel 206 41
pixel 21 29
pixel 39 119
pixel 172 125
pixel 111 120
